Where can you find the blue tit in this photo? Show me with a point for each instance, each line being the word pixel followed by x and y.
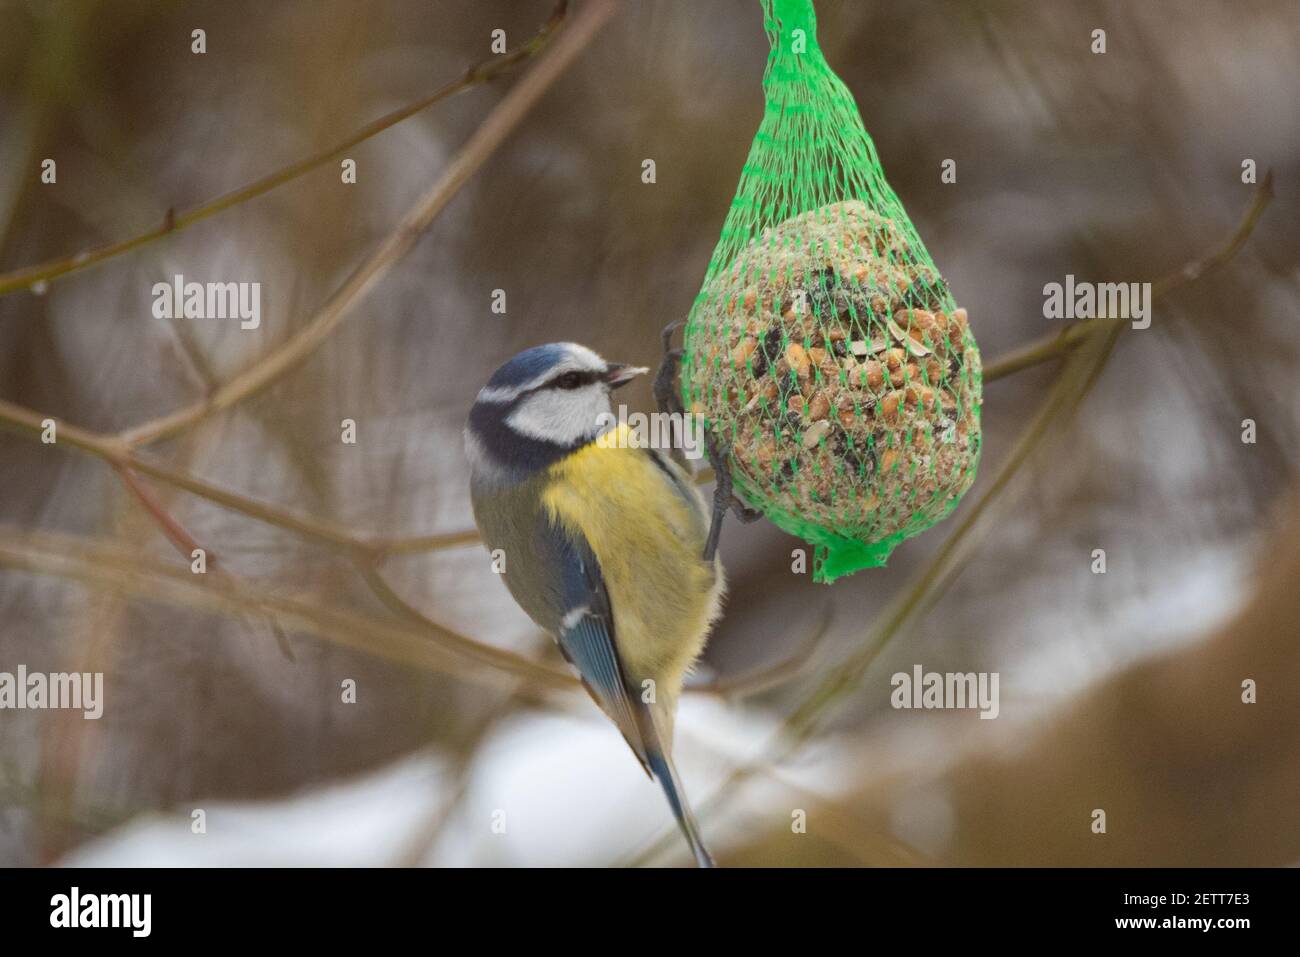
pixel 603 542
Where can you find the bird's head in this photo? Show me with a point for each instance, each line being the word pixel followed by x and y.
pixel 539 406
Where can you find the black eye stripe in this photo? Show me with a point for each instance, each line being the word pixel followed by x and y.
pixel 578 378
pixel 585 378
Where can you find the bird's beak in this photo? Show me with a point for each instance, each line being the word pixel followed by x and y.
pixel 620 373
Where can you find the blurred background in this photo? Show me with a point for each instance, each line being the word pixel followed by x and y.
pixel 1119 691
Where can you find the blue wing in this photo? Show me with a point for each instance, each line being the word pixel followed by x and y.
pixel 586 638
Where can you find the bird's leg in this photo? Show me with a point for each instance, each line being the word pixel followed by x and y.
pixel 723 497
pixel 667 396
pixel 668 399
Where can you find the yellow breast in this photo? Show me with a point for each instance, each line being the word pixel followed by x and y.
pixel 648 538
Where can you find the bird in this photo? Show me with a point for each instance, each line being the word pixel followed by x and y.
pixel 603 543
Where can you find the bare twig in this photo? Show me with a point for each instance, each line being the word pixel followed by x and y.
pixel 767 677
pixel 1165 738
pixel 172 529
pixel 1049 347
pixel 174 221
pixel 187 545
pixel 118 450
pixel 427 543
pixel 1061 343
pixel 112 450
pixel 432 647
pixel 466 646
pixel 482 144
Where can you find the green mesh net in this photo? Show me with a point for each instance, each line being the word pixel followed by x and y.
pixel 824 348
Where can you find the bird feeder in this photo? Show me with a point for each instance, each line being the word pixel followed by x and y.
pixel 824 349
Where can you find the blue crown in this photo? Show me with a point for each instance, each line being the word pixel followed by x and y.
pixel 528 365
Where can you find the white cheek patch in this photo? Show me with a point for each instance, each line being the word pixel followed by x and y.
pixel 561 416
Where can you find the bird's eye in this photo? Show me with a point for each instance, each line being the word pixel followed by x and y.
pixel 570 380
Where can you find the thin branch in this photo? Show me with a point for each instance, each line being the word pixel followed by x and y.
pixel 1063 342
pixel 112 450
pixel 172 529
pixel 766 677
pixel 481 145
pixel 427 543
pixel 1054 346
pixel 519 664
pixel 117 450
pixel 431 647
pixel 1062 401
pixel 173 221
pixel 838 825
pixel 186 544
pixel 1197 268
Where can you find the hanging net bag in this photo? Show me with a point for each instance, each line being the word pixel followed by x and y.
pixel 824 350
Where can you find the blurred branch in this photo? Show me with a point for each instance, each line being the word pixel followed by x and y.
pixel 118 450
pixel 1050 347
pixel 172 529
pixel 1054 346
pixel 427 543
pixel 476 75
pixel 839 825
pixel 366 552
pixel 111 449
pixel 431 647
pixel 1164 746
pixel 766 677
pixel 519 664
pixel 482 144
pixel 186 544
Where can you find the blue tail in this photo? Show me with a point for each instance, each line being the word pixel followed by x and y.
pixel 661 766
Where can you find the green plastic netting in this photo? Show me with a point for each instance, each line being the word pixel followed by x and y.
pixel 824 347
